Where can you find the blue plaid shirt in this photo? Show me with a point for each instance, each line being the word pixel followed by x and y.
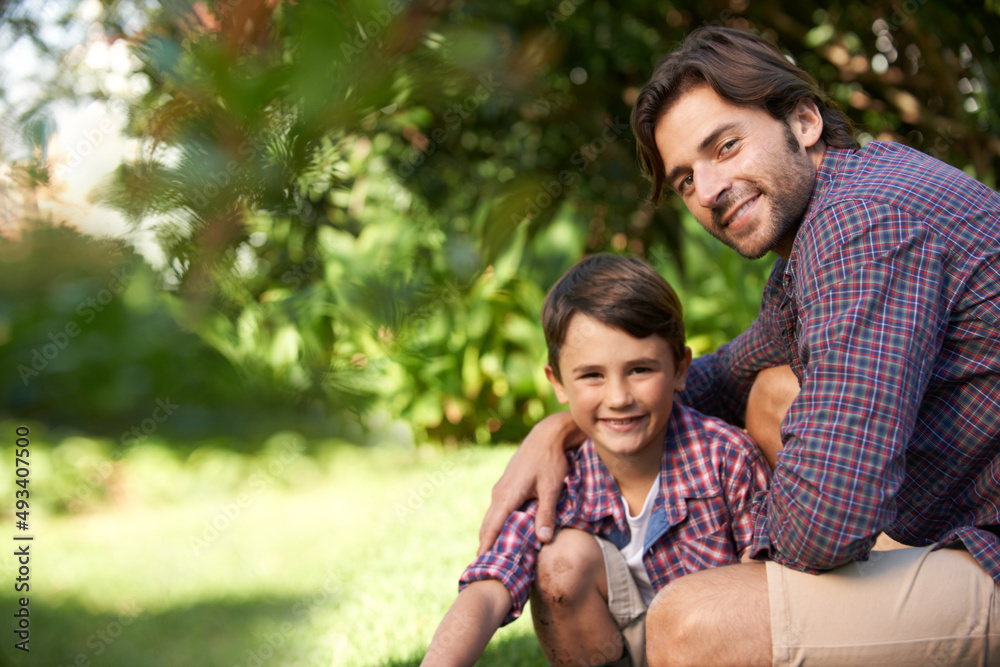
pixel 888 311
pixel 701 518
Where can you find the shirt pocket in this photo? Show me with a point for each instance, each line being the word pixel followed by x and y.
pixel 704 538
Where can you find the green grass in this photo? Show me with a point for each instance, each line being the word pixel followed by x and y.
pixel 348 558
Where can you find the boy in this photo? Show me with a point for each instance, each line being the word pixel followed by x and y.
pixel 663 489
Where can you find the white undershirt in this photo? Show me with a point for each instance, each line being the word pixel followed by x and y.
pixel 632 552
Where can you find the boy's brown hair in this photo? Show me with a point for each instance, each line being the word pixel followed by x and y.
pixel 622 292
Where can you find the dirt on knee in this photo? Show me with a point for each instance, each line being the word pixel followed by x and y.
pixel 555 580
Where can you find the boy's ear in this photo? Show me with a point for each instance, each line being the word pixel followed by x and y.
pixel 680 376
pixel 556 385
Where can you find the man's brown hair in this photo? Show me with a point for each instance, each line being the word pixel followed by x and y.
pixel 742 69
pixel 621 292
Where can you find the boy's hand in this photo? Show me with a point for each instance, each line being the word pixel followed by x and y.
pixel 537 470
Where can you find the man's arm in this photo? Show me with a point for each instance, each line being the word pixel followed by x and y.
pixel 469 625
pixel 871 328
pixel 719 384
pixel 536 470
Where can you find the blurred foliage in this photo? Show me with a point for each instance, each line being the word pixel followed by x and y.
pixel 88 340
pixel 363 202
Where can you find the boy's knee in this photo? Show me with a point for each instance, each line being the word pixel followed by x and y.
pixel 568 567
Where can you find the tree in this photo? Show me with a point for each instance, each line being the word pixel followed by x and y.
pixel 365 201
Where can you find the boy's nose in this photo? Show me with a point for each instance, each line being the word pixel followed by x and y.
pixel 617 394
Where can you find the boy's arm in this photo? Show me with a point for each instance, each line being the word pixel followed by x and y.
pixel 470 623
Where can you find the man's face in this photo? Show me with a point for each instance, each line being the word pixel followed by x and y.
pixel 745 176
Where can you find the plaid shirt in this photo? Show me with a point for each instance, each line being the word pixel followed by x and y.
pixel 701 517
pixel 888 311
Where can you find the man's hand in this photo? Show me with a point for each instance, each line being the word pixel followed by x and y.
pixel 537 470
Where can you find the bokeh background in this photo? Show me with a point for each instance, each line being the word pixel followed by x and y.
pixel 271 272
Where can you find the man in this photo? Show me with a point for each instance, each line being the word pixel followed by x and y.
pixel 885 303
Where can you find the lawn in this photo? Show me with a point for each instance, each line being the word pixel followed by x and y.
pixel 347 557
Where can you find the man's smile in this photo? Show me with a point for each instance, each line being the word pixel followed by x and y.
pixel 737 218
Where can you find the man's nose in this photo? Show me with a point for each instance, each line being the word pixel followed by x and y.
pixel 711 184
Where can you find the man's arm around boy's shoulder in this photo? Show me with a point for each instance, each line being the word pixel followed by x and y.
pixel 470 624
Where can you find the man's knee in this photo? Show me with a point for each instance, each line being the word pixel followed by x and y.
pixel 717 617
pixel 672 622
pixel 770 397
pixel 568 568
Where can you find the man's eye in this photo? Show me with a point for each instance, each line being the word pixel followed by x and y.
pixel 726 147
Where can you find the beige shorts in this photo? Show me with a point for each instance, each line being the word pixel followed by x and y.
pixel 905 606
pixel 625 602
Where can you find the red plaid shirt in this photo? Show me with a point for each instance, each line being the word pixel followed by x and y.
pixel 888 310
pixel 701 516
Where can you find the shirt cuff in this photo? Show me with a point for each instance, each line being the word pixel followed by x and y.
pixel 760 544
pixel 503 570
pixel 761 547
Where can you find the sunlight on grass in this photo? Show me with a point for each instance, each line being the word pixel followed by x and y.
pixel 349 557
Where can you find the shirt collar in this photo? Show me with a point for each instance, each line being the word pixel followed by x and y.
pixel 683 474
pixel 828 173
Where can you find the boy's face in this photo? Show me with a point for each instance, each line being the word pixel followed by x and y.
pixel 620 389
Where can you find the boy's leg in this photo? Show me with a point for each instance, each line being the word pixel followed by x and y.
pixel 569 602
pixel 626 604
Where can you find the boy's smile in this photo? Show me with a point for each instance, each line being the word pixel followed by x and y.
pixel 620 389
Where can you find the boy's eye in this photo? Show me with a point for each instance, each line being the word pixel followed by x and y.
pixel 726 147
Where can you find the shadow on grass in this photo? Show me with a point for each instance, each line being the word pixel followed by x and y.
pixel 229 633
pixel 519 650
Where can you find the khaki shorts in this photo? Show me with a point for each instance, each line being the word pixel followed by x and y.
pixel 625 602
pixel 904 606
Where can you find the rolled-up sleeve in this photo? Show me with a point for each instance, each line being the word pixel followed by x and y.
pixel 511 561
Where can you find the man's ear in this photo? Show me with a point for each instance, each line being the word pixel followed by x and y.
pixel 806 122
pixel 556 385
pixel 680 376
